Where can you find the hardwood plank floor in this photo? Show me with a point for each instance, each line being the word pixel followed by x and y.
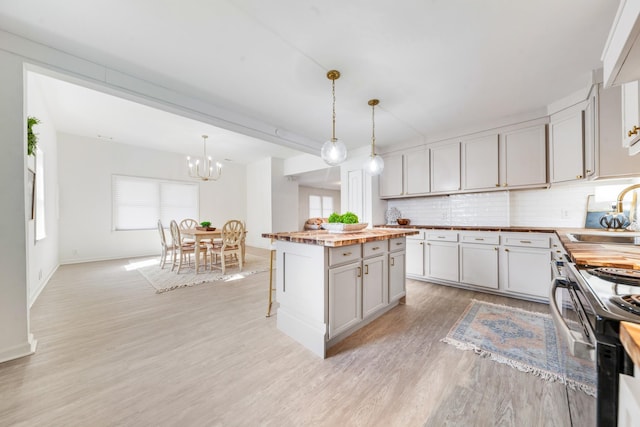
pixel 113 352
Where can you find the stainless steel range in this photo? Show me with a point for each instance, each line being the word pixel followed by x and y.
pixel 587 305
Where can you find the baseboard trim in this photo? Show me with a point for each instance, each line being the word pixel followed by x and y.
pixel 21 350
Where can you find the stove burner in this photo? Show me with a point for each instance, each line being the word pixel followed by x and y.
pixel 625 276
pixel 630 303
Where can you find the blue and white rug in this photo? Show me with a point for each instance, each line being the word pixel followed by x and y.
pixel 522 339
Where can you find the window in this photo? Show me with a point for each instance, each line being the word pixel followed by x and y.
pixel 320 206
pixel 138 203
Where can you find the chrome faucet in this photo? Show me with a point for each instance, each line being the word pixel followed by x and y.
pixel 632 210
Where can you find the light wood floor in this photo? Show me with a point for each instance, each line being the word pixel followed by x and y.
pixel 113 352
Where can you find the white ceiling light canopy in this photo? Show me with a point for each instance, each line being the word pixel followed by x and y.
pixel 333 151
pixel 208 174
pixel 375 164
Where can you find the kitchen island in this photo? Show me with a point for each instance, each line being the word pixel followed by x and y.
pixel 328 285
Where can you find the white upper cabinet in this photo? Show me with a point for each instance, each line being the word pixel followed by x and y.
pixel 523 157
pixel 405 174
pixel 445 168
pixel 392 177
pixel 416 169
pixel 566 140
pixel 480 163
pixel 621 56
pixel 631 116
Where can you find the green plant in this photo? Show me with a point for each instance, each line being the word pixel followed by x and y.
pixel 32 138
pixel 345 218
pixel 205 223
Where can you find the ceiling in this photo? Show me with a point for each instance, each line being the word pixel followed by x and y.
pixel 437 66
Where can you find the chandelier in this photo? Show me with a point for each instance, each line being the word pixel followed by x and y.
pixel 205 171
pixel 375 163
pixel 333 151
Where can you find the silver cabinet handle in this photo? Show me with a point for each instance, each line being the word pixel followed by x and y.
pixel 525 241
pixel 393 261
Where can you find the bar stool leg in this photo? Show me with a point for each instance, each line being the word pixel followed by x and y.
pixel 271 289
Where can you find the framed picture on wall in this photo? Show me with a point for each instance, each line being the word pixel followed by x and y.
pixel 31 188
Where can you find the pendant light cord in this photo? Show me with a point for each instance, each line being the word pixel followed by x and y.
pixel 333 93
pixel 373 130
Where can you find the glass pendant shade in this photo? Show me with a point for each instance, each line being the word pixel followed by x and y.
pixel 374 165
pixel 333 152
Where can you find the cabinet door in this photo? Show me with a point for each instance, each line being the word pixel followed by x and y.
pixel 630 113
pixel 566 137
pixel 416 165
pixel 392 179
pixel 345 297
pixel 528 271
pixel 396 275
pixel 443 260
pixel 415 257
pixel 445 168
pixel 479 265
pixel 480 163
pixel 590 117
pixel 524 157
pixel 375 288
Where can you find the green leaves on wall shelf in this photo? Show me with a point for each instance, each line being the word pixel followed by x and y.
pixel 32 138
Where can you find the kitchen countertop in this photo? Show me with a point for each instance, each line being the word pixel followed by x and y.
pixel 582 253
pixel 630 338
pixel 325 238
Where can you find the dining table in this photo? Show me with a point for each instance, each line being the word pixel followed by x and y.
pixel 199 234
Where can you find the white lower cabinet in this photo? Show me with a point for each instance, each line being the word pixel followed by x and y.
pixel 345 297
pixel 416 255
pixel 397 274
pixel 509 263
pixel 527 265
pixel 443 260
pixel 479 265
pixel 375 290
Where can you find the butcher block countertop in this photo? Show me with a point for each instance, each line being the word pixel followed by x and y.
pixel 582 253
pixel 630 338
pixel 325 238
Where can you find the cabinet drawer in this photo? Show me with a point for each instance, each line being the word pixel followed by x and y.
pixel 486 239
pixel 445 236
pixel 397 244
pixel 527 241
pixel 344 254
pixel 374 248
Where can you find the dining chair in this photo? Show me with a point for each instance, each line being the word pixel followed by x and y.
pixel 185 224
pixel 167 249
pixel 182 251
pixel 230 247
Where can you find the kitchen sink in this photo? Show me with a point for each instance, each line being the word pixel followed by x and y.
pixel 618 238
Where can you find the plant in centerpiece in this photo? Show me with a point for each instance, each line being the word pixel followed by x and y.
pixel 206 225
pixel 345 223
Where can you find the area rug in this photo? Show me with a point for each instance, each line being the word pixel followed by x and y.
pixel 521 339
pixel 164 280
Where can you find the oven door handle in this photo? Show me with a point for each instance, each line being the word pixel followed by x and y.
pixel 577 347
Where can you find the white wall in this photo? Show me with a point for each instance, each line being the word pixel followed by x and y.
pixel 303 202
pixel 86 169
pixel 15 337
pixel 259 203
pixel 284 199
pixel 43 254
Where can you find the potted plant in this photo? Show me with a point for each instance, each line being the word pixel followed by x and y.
pixel 345 223
pixel 32 138
pixel 206 225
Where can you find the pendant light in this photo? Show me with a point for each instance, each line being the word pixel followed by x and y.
pixel 206 174
pixel 333 151
pixel 375 163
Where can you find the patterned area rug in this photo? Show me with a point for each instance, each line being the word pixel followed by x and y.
pixel 524 340
pixel 164 280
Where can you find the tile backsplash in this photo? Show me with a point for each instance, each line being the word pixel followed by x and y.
pixel 563 205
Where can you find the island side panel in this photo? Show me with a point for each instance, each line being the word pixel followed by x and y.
pixel 301 293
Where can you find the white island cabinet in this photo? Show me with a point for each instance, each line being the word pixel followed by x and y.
pixel 328 285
